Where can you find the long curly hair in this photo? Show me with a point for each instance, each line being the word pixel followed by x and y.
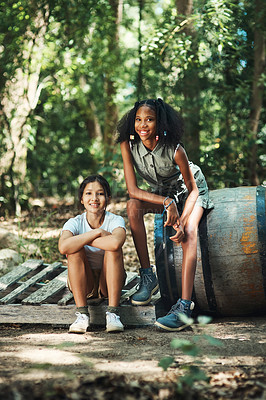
pixel 169 124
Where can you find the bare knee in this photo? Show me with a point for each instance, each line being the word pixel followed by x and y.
pixel 114 256
pixel 79 256
pixel 191 231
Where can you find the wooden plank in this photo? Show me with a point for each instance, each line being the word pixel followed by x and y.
pixel 45 291
pixel 130 277
pixel 18 273
pixel 43 314
pixel 51 314
pixel 30 282
pixel 68 297
pixel 156 297
pixel 50 289
pixel 130 315
pixel 125 296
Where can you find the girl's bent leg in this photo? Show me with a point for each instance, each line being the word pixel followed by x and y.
pixel 136 210
pixel 136 221
pixel 80 277
pixel 171 322
pixel 113 276
pixel 148 281
pixel 189 246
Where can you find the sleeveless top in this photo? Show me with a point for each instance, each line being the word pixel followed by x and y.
pixel 158 168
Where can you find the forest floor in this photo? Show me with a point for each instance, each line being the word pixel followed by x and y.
pixel 45 362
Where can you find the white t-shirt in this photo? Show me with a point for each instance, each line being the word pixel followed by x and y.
pixel 79 225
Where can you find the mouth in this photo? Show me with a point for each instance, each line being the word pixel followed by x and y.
pixel 142 132
pixel 94 205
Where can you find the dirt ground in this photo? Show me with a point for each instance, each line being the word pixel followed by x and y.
pixel 45 362
pixel 50 363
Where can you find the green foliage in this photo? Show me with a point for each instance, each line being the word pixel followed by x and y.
pixel 15 19
pixel 186 346
pixel 194 374
pixel 203 64
pixel 191 348
pixel 166 362
pixel 206 69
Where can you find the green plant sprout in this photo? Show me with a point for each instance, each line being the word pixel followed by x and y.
pixel 191 348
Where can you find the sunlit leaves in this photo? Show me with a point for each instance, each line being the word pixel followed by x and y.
pixel 186 346
pixel 202 64
pixel 166 362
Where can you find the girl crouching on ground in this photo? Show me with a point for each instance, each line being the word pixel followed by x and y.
pixel 93 244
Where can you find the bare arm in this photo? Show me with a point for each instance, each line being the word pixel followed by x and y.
pixel 136 193
pixel 131 180
pixel 69 244
pixel 110 241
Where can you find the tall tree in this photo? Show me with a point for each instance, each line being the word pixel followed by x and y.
pixel 190 83
pixel 25 33
pixel 59 107
pixel 111 113
pixel 140 67
pixel 257 86
pixel 20 97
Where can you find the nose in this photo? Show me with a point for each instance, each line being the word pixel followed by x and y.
pixel 143 123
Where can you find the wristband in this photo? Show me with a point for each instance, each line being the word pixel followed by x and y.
pixel 168 205
pixel 165 201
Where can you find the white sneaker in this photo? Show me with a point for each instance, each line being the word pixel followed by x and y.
pixel 81 324
pixel 113 323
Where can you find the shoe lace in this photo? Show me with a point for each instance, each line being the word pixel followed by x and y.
pixel 113 316
pixel 80 317
pixel 145 280
pixel 176 309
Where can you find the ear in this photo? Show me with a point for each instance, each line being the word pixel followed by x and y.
pixel 108 200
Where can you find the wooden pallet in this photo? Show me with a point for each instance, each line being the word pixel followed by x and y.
pixel 35 292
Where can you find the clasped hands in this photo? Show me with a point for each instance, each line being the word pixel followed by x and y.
pixel 173 219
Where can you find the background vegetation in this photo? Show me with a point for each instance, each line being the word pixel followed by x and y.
pixel 70 68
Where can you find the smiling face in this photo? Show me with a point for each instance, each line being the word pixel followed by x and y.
pixel 93 198
pixel 145 126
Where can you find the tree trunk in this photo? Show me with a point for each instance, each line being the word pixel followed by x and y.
pixel 140 73
pixel 184 7
pixel 90 113
pixel 190 88
pixel 111 113
pixel 257 88
pixel 20 98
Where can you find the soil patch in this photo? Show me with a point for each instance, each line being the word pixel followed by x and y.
pixel 42 362
pixel 52 364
